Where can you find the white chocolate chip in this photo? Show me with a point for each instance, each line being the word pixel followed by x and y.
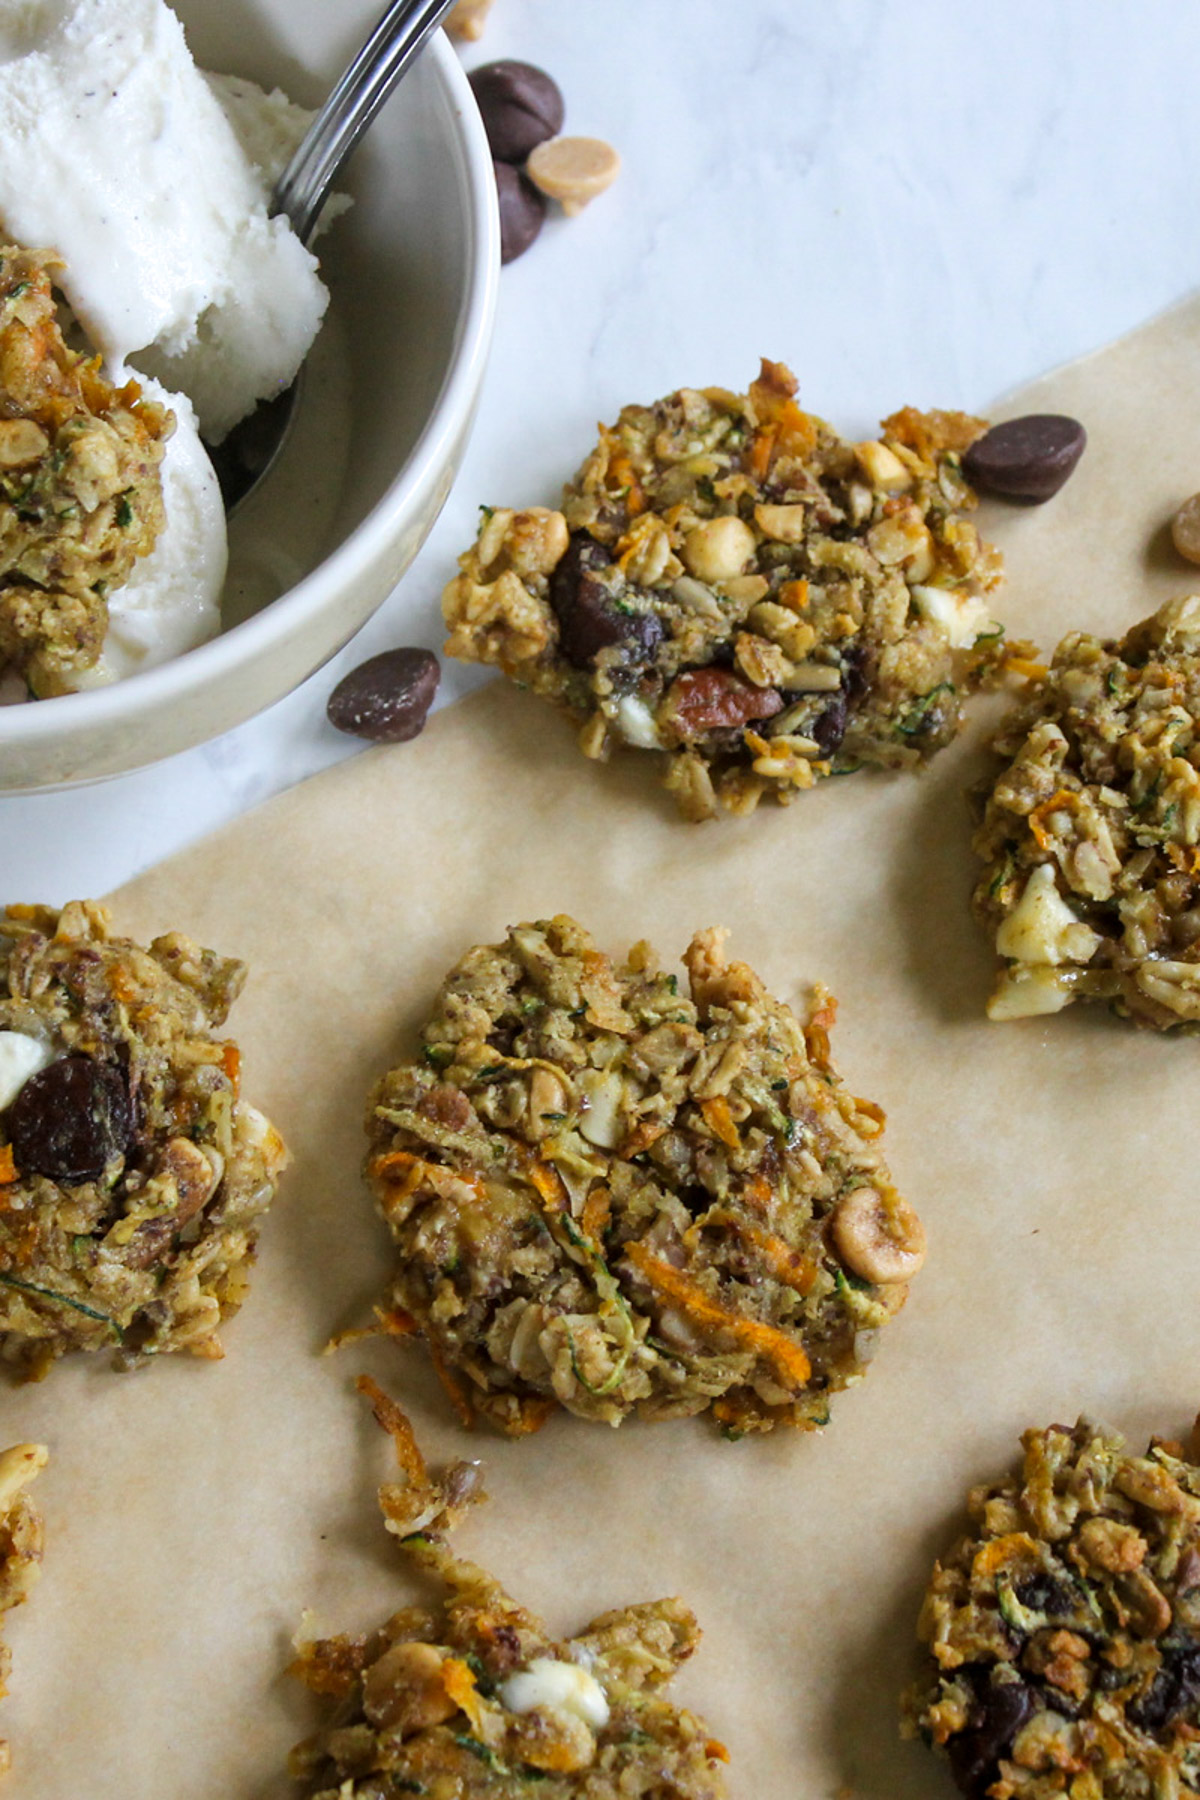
pixel 635 723
pixel 573 170
pixel 548 1685
pixel 1024 991
pixel 1041 928
pixel 963 617
pixel 20 1057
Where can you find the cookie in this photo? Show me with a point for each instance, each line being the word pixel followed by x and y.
pixel 619 1193
pixel 1064 1630
pixel 472 1696
pixel 80 484
pixel 132 1175
pixel 20 1544
pixel 1090 829
pixel 731 584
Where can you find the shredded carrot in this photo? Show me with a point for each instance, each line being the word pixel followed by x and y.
pixel 460 1400
pixel 797 430
pixel 399 1169
pixel 715 1750
pixel 1186 859
pixel 394 1420
pixel 531 1414
pixel 645 1133
pixel 1022 665
pixel 758 455
pixel 757 1193
pixel 622 475
pixel 597 1210
pixel 8 1168
pixel 794 594
pixel 231 1062
pixel 395 1321
pixel 1014 1546
pixel 791 1267
pixel 120 986
pixel 868 1109
pixel 719 1120
pixel 550 1185
pixel 1062 800
pixel 788 1360
pixel 459 1685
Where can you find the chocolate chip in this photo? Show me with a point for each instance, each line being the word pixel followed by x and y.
pixel 520 105
pixel 522 211
pixel 1046 1594
pixel 387 698
pixel 589 619
pixel 829 727
pixel 1175 1688
pixel 998 1715
pixel 71 1120
pixel 1026 459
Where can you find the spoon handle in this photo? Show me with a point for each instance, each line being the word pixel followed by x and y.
pixel 303 187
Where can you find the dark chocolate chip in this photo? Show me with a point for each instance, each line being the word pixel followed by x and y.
pixel 387 698
pixel 1046 1594
pixel 589 619
pixel 829 727
pixel 1026 459
pixel 522 211
pixel 1175 1689
pixel 997 1717
pixel 70 1120
pixel 520 105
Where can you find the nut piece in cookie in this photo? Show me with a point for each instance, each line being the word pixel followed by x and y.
pixel 1090 831
pixel 132 1175
pixel 472 1697
pixel 730 583
pixel 20 1544
pixel 1064 1629
pixel 80 484
pixel 619 1193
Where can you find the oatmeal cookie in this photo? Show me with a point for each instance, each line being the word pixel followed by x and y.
pixel 1064 1629
pixel 80 484
pixel 132 1176
pixel 614 1194
pixel 20 1544
pixel 1090 832
pixel 732 584
pixel 473 1699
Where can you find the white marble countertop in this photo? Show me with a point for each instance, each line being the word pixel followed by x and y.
pixel 927 204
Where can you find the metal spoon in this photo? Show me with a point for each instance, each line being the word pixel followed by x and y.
pixel 245 455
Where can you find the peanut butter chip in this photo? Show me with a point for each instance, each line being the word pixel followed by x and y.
pixel 466 19
pixel 573 170
pixel 1185 530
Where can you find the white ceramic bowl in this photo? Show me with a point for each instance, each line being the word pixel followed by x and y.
pixel 383 418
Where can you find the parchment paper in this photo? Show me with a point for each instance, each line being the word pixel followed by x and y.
pixel 194 1509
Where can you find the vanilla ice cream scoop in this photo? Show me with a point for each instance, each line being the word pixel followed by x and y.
pixel 115 151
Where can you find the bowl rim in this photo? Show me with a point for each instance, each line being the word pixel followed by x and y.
pixel 33 722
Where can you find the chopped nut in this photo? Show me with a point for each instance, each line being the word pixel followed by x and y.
pixel 404 1691
pixel 718 549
